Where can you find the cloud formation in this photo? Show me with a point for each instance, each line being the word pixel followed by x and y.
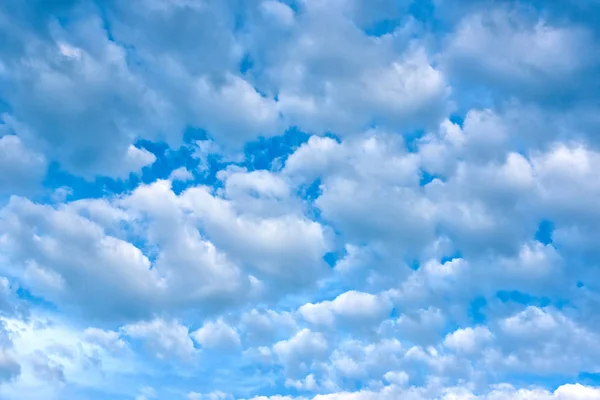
pixel 299 200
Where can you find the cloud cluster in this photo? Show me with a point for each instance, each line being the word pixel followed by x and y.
pixel 299 200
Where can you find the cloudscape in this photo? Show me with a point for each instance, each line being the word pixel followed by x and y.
pixel 299 200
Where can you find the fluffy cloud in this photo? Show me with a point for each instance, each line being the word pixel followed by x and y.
pixel 468 340
pixel 531 57
pixel 75 93
pixel 217 335
pixel 164 339
pixel 354 307
pixel 370 176
pixel 299 200
pixel 58 251
pixel 500 392
pixel 264 327
pixel 297 353
pixel 286 248
pixel 21 169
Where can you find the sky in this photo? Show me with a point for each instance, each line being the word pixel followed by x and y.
pixel 299 200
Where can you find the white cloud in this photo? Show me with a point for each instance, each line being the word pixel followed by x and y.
pixel 164 339
pixel 52 354
pixel 287 248
pixel 109 340
pixel 133 162
pixel 422 326
pixel 57 250
pixel 217 335
pixel 323 86
pixel 297 353
pixel 531 56
pixel 363 361
pixel 181 174
pixel 397 377
pixel 217 395
pixel 358 308
pixel 468 340
pixel 21 169
pixel 434 237
pixel 257 115
pixel 78 99
pixel 264 327
pixel 279 11
pixel 499 392
pixel 372 175
pixel 565 177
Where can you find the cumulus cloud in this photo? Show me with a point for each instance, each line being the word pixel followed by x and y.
pixel 468 339
pixel 299 200
pixel 500 392
pixel 297 353
pixel 532 57
pixel 21 169
pixel 265 327
pixel 75 93
pixel 354 307
pixel 217 335
pixel 164 339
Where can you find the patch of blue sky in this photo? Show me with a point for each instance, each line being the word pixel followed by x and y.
pixel 477 310
pixel 36 302
pixel 271 153
pixel 263 154
pixel 544 232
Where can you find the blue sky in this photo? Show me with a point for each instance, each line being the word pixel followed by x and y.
pixel 299 200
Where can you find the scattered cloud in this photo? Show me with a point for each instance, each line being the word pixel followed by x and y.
pixel 299 200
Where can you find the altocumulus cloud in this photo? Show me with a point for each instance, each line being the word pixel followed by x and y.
pixel 299 200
